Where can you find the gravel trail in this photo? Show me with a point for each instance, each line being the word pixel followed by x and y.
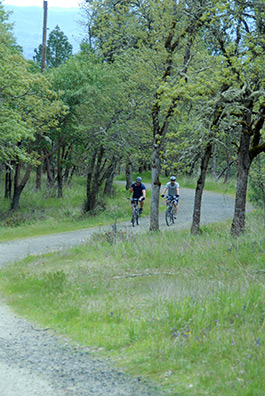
pixel 36 362
pixel 215 207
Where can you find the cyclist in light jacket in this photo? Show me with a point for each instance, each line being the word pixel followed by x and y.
pixel 172 189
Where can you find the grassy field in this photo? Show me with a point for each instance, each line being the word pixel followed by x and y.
pixel 184 311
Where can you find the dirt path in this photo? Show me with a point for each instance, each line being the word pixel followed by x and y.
pixel 37 363
pixel 215 207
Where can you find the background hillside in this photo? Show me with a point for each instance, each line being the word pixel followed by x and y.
pixel 28 24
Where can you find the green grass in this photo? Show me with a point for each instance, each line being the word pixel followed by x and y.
pixel 184 311
pixel 40 215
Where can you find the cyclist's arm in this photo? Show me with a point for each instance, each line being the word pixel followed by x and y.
pixel 143 194
pixel 164 191
pixel 177 191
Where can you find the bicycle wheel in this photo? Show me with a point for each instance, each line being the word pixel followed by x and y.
pixel 169 216
pixel 137 215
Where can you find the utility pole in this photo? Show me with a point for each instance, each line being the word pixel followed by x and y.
pixel 43 61
pixel 44 35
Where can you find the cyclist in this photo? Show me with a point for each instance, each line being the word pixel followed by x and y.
pixel 172 189
pixel 139 190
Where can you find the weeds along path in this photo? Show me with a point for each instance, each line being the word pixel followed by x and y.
pixel 215 208
pixel 35 362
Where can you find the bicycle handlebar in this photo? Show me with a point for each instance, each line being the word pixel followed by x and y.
pixel 136 199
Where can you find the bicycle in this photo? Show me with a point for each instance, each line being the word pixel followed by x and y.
pixel 169 215
pixel 135 211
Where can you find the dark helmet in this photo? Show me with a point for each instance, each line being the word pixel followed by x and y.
pixel 138 179
pixel 172 178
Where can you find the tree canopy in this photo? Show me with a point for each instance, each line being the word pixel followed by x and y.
pixel 58 49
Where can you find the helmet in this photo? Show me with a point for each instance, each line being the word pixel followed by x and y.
pixel 172 178
pixel 138 179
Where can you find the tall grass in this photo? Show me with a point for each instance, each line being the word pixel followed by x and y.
pixel 185 311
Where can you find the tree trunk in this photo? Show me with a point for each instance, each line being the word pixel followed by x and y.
pixel 38 174
pixel 156 184
pixel 90 197
pixel 195 228
pixel 18 188
pixel 8 182
pixel 38 178
pixel 128 174
pixel 243 166
pixel 109 181
pixel 59 171
pixel 69 179
pixel 50 174
pixel 16 198
pixel 214 162
pixel 228 172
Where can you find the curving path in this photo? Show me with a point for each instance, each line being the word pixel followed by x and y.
pixel 215 207
pixel 36 362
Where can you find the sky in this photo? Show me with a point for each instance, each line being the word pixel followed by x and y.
pixel 39 3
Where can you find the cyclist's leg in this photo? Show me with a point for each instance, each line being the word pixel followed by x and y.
pixel 175 208
pixel 133 221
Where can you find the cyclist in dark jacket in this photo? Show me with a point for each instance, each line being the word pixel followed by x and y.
pixel 172 189
pixel 139 190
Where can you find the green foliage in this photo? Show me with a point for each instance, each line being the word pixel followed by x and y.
pixel 28 106
pixel 14 82
pixel 177 320
pixel 58 49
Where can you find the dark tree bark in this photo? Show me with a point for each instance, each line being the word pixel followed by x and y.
pixel 50 173
pixel 59 170
pixel 214 154
pixel 128 174
pixel 38 174
pixel 243 166
pixel 8 182
pixel 59 176
pixel 156 184
pixel 226 171
pixel 70 177
pixel 195 228
pixel 100 170
pixel 108 189
pixel 90 198
pixel 251 145
pixel 18 187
